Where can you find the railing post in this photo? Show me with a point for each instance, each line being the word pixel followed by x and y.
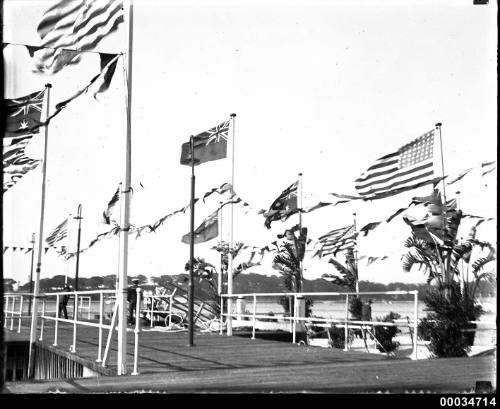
pixel 7 298
pixel 415 325
pixel 20 315
pixel 56 326
pixel 72 348
pixel 346 328
pixel 221 314
pixel 90 305
pixel 13 307
pixel 254 313
pixel 136 331
pixel 170 306
pixel 294 323
pixel 101 313
pixel 43 319
pixel 290 308
pixel 151 317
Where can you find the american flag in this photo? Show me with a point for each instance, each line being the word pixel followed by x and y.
pixel 408 168
pixel 70 26
pixel 336 240
pixel 59 233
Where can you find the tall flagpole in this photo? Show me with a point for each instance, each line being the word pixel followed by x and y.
pixel 123 260
pixel 79 218
pixel 300 232
pixel 219 278
pixel 191 251
pixel 34 316
pixel 230 254
pixel 356 255
pixel 68 241
pixel 31 271
pixel 443 204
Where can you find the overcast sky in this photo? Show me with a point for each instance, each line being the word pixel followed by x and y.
pixel 323 88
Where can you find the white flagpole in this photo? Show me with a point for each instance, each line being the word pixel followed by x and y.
pixel 300 231
pixel 123 261
pixel 230 255
pixel 68 243
pixel 356 254
pixel 34 316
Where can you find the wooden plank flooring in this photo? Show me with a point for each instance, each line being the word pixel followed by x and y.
pixel 220 363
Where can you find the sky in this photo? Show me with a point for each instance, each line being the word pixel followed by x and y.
pixel 321 88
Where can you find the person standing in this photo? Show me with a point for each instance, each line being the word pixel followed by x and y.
pixel 366 315
pixel 64 302
pixel 132 300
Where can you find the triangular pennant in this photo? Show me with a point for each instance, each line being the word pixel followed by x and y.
pixel 32 50
pixel 46 249
pixel 5 249
pixel 14 248
pixel 108 67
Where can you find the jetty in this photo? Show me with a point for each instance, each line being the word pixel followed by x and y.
pixel 220 363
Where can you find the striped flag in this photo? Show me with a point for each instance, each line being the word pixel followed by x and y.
pixel 106 215
pixel 284 206
pixel 408 168
pixel 59 233
pixel 70 26
pixel 337 240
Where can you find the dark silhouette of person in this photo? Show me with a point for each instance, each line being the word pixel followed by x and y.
pixel 64 302
pixel 366 315
pixel 132 300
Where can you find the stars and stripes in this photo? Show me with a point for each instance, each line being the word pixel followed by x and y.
pixel 71 26
pixel 59 233
pixel 284 206
pixel 209 145
pixel 409 167
pixel 336 240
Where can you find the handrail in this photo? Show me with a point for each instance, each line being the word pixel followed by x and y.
pixel 319 294
pixel 10 301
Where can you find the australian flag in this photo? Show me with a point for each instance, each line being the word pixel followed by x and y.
pixel 284 206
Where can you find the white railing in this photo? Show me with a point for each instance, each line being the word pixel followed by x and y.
pixel 296 317
pixel 13 299
pixel 153 302
pixel 14 305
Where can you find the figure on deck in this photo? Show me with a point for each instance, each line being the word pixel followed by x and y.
pixel 132 300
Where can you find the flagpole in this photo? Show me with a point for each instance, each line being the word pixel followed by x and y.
pixel 443 205
pixel 219 278
pixel 31 271
pixel 356 255
pixel 68 249
pixel 34 316
pixel 79 218
pixel 300 231
pixel 230 254
pixel 191 251
pixel 123 260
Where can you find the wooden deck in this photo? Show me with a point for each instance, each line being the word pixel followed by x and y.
pixel 218 363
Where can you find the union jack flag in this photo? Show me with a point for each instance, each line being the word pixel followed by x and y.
pixel 23 115
pixel 207 146
pixel 284 206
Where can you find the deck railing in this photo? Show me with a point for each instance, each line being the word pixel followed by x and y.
pixel 294 318
pixel 13 309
